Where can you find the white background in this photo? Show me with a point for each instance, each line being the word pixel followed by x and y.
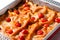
pixel 4 3
pixel 57 0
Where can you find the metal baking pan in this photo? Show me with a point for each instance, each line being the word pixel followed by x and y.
pixel 41 2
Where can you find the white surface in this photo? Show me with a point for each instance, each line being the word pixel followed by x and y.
pixel 7 4
pixel 4 3
pixel 57 1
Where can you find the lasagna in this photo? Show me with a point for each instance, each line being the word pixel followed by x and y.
pixel 29 22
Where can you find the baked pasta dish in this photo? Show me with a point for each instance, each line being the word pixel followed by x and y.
pixel 29 22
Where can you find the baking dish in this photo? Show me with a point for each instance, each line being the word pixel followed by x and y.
pixel 49 34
